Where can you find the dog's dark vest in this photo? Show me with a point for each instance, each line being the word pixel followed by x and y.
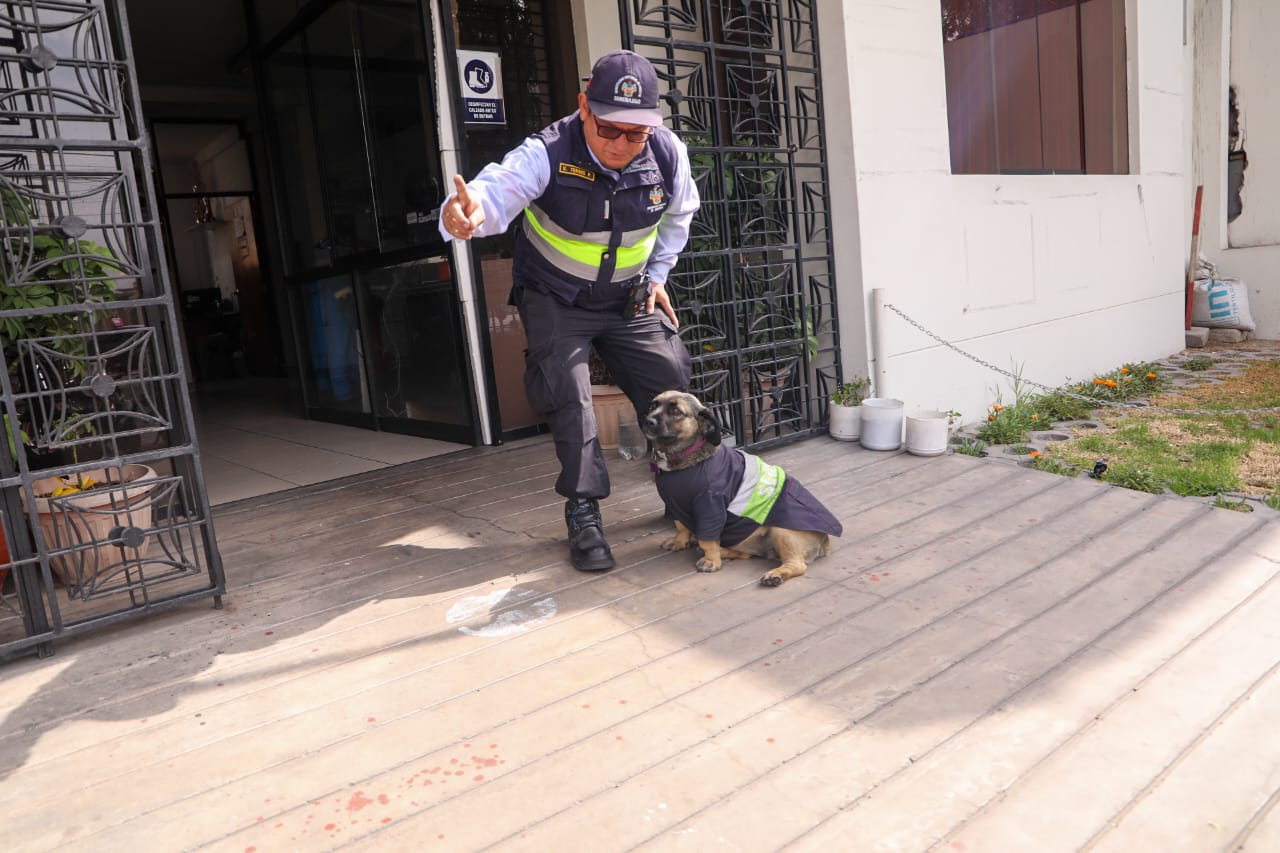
pixel 731 494
pixel 588 237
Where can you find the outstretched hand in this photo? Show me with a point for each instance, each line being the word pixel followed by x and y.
pixel 461 214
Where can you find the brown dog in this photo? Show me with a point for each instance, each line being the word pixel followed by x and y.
pixel 733 504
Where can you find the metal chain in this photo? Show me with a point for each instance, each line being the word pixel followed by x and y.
pixel 1018 380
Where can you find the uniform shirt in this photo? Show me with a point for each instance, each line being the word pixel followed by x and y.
pixel 727 497
pixel 505 189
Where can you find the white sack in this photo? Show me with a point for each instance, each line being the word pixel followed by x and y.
pixel 1221 303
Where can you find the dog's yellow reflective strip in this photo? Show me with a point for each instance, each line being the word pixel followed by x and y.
pixel 768 488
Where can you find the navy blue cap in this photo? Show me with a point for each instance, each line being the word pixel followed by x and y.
pixel 623 87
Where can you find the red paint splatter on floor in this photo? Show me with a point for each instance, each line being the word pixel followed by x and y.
pixel 479 777
pixel 371 720
pixel 383 799
pixel 777 642
pixel 279 825
pixel 453 761
pixel 458 772
pixel 957 845
pixel 144 719
pixel 708 716
pixel 386 820
pixel 441 835
pixel 493 746
pixel 260 818
pixel 769 740
pixel 622 701
pixel 615 737
pixel 586 706
pixel 358 801
pixel 330 827
pixel 250 849
pixel 267 633
pixel 875 578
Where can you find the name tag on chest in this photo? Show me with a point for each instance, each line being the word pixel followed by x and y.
pixel 577 172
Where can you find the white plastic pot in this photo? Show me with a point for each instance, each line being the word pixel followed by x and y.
pixel 844 423
pixel 881 423
pixel 927 433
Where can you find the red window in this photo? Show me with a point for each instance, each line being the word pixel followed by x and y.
pixel 1036 86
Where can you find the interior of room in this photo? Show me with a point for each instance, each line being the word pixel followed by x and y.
pixel 214 193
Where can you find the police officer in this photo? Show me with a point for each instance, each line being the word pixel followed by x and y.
pixel 604 197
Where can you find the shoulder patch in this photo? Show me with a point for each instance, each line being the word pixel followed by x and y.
pixel 577 172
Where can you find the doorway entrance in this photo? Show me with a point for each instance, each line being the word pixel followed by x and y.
pixel 350 90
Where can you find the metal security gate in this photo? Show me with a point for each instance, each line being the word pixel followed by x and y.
pixel 102 501
pixel 755 288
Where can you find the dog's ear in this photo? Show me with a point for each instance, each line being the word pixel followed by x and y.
pixel 710 427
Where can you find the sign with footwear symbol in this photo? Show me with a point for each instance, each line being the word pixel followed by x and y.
pixel 480 78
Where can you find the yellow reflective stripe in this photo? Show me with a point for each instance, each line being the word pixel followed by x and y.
pixel 767 490
pixel 575 250
pixel 630 259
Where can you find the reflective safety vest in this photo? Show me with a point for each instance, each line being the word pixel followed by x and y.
pixel 588 237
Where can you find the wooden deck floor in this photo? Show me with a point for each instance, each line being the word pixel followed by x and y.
pixel 992 659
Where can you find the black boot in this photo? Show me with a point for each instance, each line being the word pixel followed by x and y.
pixel 587 549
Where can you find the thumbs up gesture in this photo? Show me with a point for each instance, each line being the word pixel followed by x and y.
pixel 461 214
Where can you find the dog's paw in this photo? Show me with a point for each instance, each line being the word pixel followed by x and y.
pixel 705 565
pixel 771 579
pixel 677 543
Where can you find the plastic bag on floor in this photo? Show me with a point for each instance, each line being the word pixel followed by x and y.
pixel 1221 303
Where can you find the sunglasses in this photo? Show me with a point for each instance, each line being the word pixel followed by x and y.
pixel 610 131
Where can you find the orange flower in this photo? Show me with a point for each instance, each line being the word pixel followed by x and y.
pixel 991 417
pixel 1099 382
pixel 996 408
pixel 1035 453
pixel 1110 383
pixel 1034 416
pixel 1151 376
pixel 1124 370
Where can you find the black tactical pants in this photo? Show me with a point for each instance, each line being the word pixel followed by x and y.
pixel 644 355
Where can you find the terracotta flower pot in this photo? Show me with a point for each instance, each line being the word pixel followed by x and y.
pixel 93 517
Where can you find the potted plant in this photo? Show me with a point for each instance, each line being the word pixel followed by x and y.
pixel 843 415
pixel 929 431
pixel 99 514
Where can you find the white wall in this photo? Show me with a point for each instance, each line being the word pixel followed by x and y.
pixel 1222 57
pixel 1063 276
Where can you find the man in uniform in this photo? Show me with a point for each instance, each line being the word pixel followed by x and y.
pixel 606 196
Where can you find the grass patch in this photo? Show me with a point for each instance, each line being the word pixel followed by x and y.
pixel 1193 454
pixel 972 447
pixel 1197 363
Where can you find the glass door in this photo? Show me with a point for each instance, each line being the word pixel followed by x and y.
pixel 381 337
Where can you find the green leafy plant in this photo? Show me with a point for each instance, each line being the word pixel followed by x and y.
pixel 1223 502
pixel 1197 363
pixel 1272 501
pixel 1054 465
pixel 852 392
pixel 972 447
pixel 65 272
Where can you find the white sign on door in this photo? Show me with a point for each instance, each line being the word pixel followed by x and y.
pixel 480 73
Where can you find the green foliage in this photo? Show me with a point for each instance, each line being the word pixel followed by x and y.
pixel 1008 424
pixel 972 447
pixel 1059 406
pixel 1272 500
pixel 1054 465
pixel 851 393
pixel 1197 362
pixel 1235 506
pixel 1136 477
pixel 68 272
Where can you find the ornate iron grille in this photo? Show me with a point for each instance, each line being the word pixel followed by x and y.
pixel 102 501
pixel 755 288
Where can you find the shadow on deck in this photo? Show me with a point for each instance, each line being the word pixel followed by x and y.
pixel 406 659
